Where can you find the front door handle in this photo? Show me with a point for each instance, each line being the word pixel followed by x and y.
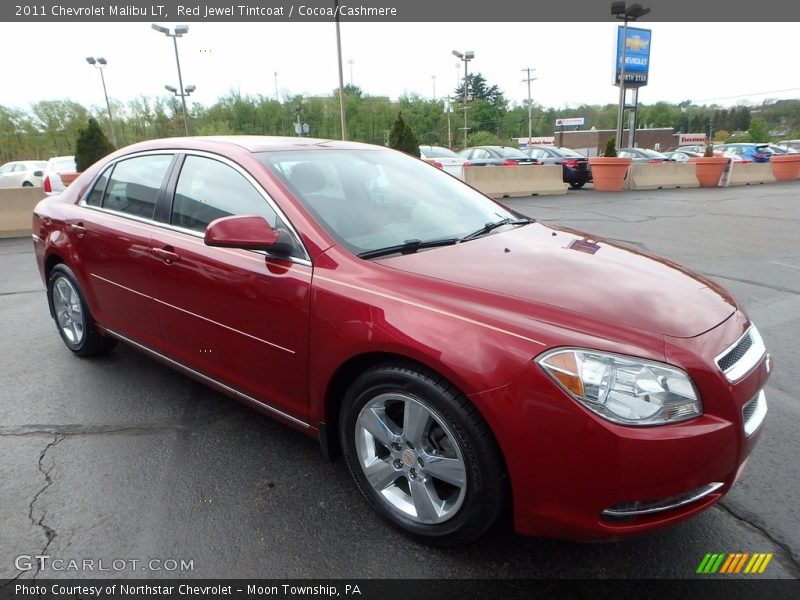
pixel 167 254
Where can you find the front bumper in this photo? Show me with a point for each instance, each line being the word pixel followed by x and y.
pixel 568 466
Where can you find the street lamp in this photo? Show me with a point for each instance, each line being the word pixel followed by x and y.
pixel 100 63
pixel 625 13
pixel 466 57
pixel 180 30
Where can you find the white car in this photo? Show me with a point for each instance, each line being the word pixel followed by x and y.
pixel 443 158
pixel 22 173
pixel 57 165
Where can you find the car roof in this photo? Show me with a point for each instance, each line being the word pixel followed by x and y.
pixel 250 143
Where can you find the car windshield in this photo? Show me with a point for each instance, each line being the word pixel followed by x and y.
pixel 436 152
pixel 509 152
pixel 373 199
pixel 652 153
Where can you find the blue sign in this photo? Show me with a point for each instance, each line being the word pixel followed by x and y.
pixel 637 56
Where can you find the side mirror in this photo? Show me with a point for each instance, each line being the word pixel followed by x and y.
pixel 245 232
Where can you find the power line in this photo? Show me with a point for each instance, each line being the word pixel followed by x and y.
pixel 747 94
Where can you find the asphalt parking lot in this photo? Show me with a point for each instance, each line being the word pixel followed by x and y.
pixel 121 458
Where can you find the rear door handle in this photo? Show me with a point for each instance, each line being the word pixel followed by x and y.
pixel 167 254
pixel 78 228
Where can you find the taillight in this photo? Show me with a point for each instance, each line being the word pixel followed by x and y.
pixel 467 164
pixel 570 162
pixel 510 163
pixel 46 184
pixel 438 165
pixel 655 161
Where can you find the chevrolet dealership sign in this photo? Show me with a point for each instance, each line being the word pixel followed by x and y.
pixel 637 56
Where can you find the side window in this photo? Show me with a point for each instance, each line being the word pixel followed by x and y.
pixel 134 184
pixel 208 189
pixel 480 153
pixel 95 197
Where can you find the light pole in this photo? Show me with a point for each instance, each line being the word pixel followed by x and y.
pixel 625 13
pixel 528 79
pixel 466 57
pixel 100 63
pixel 433 78
pixel 341 74
pixel 179 31
pixel 187 91
pixel 350 62
pixel 276 87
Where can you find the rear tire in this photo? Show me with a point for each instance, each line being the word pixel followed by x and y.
pixel 74 321
pixel 576 185
pixel 421 454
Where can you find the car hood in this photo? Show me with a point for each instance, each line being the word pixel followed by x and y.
pixel 555 267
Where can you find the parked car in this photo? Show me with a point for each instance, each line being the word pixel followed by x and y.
pixel 642 155
pixel 778 149
pixel 22 173
pixel 793 144
pixel 482 156
pixel 682 156
pixel 443 158
pixel 757 153
pixel 575 166
pixel 464 358
pixel 56 167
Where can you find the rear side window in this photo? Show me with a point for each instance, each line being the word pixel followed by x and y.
pixel 134 184
pixel 95 197
pixel 209 189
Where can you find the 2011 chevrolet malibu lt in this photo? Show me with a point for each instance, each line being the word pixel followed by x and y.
pixel 463 358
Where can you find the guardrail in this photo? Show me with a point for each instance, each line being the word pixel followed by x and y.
pixel 16 210
pixel 653 176
pixel 517 181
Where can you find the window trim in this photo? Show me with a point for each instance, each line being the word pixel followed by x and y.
pixel 167 195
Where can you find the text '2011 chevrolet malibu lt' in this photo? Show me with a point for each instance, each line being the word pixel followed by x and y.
pixel 463 358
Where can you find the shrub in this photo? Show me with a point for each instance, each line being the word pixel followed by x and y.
pixel 611 147
pixel 91 145
pixel 402 138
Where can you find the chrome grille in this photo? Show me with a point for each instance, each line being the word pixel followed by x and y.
pixel 754 412
pixel 741 357
pixel 735 355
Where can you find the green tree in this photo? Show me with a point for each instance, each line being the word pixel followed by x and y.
pixel 91 145
pixel 758 131
pixel 402 138
pixel 478 89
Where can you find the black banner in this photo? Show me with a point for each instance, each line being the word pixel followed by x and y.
pixel 731 588
pixel 388 10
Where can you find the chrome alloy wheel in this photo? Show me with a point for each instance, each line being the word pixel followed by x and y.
pixel 411 458
pixel 69 310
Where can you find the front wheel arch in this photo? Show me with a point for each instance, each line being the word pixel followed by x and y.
pixel 487 490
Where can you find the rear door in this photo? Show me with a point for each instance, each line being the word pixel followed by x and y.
pixel 237 316
pixel 112 240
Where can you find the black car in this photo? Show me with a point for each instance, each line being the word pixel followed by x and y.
pixel 481 156
pixel 576 170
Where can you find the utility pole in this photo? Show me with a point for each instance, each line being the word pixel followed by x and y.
pixel 528 79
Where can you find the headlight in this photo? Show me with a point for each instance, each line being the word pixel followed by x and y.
pixel 624 389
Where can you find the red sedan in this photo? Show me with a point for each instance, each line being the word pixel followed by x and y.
pixel 463 358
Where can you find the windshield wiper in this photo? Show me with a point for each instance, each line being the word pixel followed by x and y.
pixel 494 225
pixel 408 247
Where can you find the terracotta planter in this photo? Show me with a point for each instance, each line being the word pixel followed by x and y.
pixel 785 167
pixel 608 172
pixel 709 169
pixel 67 178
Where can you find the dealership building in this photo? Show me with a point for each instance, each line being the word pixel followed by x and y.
pixel 592 142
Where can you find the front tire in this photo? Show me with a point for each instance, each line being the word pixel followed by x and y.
pixel 73 319
pixel 421 454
